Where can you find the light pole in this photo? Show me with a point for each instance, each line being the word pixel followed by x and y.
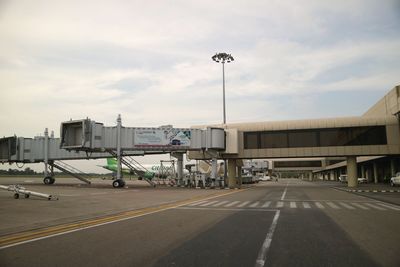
pixel 222 58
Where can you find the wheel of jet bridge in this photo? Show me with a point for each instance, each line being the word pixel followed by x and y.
pixel 118 183
pixel 49 180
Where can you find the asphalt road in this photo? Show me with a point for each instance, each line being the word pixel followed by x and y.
pixel 289 223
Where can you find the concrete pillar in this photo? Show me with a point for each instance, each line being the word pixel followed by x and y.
pixel 375 172
pixel 213 171
pixel 363 171
pixel 239 173
pixel 367 175
pixel 231 173
pixel 310 176
pixel 392 167
pixel 351 171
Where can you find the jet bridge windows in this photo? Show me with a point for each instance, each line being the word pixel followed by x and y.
pixel 251 140
pixel 345 136
pixel 356 136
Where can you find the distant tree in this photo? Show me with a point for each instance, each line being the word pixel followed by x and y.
pixel 29 171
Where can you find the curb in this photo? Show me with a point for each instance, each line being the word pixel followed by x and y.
pixel 373 191
pixel 368 190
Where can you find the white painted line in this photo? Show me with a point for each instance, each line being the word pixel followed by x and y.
pixel 388 206
pixel 324 200
pixel 243 204
pixel 220 203
pixel 347 206
pixel 262 254
pixel 319 205
pixel 284 192
pixel 293 205
pixel 374 206
pixel 358 205
pixel 99 193
pixel 279 204
pixel 254 205
pixel 266 204
pixel 232 203
pixel 208 203
pixel 223 209
pixel 333 206
pixel 306 205
pixel 197 203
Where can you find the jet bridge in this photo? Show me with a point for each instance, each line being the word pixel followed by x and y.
pixel 90 136
pixel 46 149
pixel 88 139
pixel 16 149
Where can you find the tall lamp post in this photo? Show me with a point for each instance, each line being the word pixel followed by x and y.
pixel 222 58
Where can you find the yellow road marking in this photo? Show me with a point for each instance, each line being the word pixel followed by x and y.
pixel 9 240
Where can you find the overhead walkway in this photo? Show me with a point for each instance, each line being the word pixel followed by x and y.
pixel 376 133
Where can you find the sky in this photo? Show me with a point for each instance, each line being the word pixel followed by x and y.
pixel 150 61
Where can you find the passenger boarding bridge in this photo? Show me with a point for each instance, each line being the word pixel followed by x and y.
pixel 87 139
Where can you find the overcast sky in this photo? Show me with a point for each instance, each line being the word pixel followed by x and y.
pixel 151 62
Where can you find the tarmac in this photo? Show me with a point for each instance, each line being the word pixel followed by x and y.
pixel 78 201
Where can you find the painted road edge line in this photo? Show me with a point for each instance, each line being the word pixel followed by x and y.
pixel 35 235
pixel 262 254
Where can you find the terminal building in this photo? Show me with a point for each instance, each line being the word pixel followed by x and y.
pixel 368 145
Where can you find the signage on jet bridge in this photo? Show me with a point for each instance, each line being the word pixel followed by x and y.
pixel 168 137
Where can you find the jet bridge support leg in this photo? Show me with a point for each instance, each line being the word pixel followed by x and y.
pixel 119 182
pixel 179 166
pixel 48 178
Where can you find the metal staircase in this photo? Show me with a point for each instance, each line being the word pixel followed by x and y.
pixel 66 168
